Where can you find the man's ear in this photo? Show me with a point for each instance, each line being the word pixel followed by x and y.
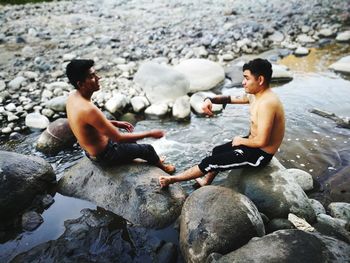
pixel 79 83
pixel 261 80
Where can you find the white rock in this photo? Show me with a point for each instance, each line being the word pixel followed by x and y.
pixel 342 65
pixel 343 36
pixel 2 85
pixel 301 51
pixel 300 223
pixel 119 61
pixel 203 74
pixel 139 103
pixel 36 120
pixel 317 206
pixel 10 107
pixel 340 210
pixel 196 102
pixel 326 32
pixel 58 84
pixel 157 109
pixel 117 102
pixel 47 94
pixel 16 83
pixel 57 104
pixel 31 75
pixel 11 117
pixel 48 113
pixel 227 57
pixel 161 83
pixel 305 39
pixel 182 107
pixel 6 130
pixel 301 177
pixel 276 36
pixel 28 52
pixel 69 57
pixel 280 72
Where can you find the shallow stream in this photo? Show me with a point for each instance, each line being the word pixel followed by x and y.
pixel 312 143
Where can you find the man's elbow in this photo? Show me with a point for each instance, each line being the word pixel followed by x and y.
pixel 262 143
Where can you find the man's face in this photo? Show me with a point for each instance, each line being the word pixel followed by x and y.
pixel 250 82
pixel 91 81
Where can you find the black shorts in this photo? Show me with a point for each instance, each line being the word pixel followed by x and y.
pixel 121 153
pixel 225 157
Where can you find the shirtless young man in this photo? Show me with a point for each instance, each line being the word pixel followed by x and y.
pixel 100 138
pixel 266 129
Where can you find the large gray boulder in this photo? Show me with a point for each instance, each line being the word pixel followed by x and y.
pixel 57 136
pixel 161 83
pixel 290 246
pixel 273 191
pixel 340 210
pixel 101 236
pixel 280 73
pixel 131 191
pixel 21 179
pixel 217 219
pixel 203 74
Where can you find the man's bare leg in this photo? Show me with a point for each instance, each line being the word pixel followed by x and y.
pixel 189 174
pixel 208 179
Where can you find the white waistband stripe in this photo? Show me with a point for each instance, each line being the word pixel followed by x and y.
pixel 227 166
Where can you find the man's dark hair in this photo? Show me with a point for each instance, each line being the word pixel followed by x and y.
pixel 259 67
pixel 77 70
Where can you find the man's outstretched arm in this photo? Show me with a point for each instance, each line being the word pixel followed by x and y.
pixel 96 119
pixel 222 99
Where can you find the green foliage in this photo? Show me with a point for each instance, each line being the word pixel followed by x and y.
pixel 18 2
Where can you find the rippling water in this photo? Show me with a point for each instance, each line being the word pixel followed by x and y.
pixel 312 143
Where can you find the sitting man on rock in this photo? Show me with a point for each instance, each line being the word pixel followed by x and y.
pixel 100 138
pixel 267 125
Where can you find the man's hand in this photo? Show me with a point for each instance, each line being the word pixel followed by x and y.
pixel 207 107
pixel 156 134
pixel 236 141
pixel 123 125
pixel 126 125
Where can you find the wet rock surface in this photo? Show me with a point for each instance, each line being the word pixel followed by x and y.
pixel 131 191
pixel 22 178
pixel 217 219
pixel 291 245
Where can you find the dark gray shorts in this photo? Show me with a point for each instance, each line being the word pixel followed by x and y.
pixel 121 153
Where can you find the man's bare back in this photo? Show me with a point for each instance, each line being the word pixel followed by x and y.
pixel 80 111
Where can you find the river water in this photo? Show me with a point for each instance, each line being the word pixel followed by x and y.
pixel 312 143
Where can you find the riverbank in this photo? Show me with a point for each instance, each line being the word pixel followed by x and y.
pixel 37 42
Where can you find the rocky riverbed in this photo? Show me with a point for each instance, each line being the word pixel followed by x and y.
pixel 142 46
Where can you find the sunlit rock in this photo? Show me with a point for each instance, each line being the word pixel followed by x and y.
pixel 203 74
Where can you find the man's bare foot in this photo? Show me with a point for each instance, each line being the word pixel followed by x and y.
pixel 202 181
pixel 168 168
pixel 164 181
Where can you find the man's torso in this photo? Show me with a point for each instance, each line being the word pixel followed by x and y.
pixel 79 111
pixel 278 126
